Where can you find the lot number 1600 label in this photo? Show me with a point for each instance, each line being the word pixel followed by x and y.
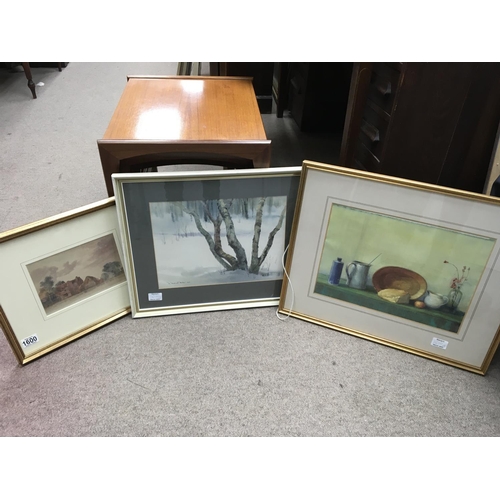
pixel 29 340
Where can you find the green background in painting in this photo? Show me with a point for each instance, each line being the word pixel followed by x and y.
pixel 355 234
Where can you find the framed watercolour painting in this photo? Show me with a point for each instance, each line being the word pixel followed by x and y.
pixel 208 240
pixel 406 264
pixel 63 277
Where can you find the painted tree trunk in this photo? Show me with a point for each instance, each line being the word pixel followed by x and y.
pixel 257 261
pixel 232 239
pixel 230 266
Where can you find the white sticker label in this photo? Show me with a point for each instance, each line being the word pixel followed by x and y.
pixel 29 340
pixel 155 296
pixel 442 344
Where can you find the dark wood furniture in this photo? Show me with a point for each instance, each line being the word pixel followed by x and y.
pixel 29 77
pixel 429 122
pixel 165 120
pixel 27 71
pixel 261 74
pixel 317 95
pixel 280 87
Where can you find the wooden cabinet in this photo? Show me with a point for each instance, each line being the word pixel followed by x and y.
pixel 317 95
pixel 262 78
pixel 430 122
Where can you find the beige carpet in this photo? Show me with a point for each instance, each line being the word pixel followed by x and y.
pixel 229 373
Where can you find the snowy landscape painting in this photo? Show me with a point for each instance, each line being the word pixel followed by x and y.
pixel 218 241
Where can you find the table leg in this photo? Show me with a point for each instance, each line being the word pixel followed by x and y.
pixel 27 72
pixel 110 165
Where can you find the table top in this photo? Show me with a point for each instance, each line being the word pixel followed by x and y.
pixel 187 109
pixel 368 298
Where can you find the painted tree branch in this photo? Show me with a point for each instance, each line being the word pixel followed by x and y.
pixel 232 239
pixel 257 261
pixel 217 212
pixel 229 264
pixel 217 222
pixel 257 228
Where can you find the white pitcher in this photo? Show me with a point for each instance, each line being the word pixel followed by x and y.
pixel 435 300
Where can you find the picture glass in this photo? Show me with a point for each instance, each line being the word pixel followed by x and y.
pixel 207 242
pixel 390 264
pixel 75 274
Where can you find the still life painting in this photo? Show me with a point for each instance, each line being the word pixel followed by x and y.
pixel 207 242
pixel 417 271
pixel 75 274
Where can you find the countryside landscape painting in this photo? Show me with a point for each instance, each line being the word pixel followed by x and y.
pixel 76 274
pixel 206 242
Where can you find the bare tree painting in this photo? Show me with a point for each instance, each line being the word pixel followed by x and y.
pixel 217 241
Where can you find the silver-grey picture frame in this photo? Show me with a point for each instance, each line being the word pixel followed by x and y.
pixel 208 240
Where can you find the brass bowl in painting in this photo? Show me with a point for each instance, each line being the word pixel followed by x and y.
pixel 400 279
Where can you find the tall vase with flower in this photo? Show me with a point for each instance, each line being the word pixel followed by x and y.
pixel 455 294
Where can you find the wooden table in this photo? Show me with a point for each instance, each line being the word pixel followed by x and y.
pixel 441 318
pixel 165 120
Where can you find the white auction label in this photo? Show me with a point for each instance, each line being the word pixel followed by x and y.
pixel 155 296
pixel 442 344
pixel 29 340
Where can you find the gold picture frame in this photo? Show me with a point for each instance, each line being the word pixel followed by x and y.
pixel 62 278
pixel 406 264
pixel 197 241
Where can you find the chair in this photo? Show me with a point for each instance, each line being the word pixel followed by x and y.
pixel 31 83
